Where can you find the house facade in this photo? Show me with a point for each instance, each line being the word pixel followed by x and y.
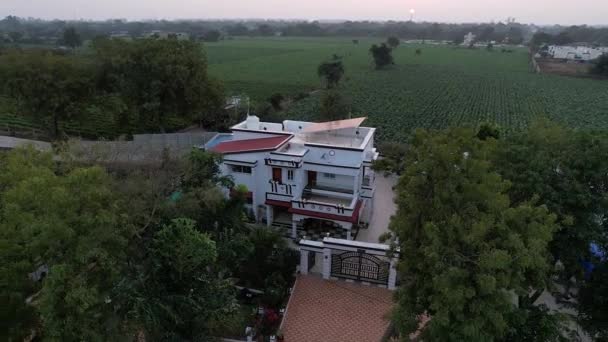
pixel 306 178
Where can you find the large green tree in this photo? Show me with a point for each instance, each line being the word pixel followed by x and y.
pixel 332 71
pixel 160 80
pixel 382 55
pixel 392 42
pixel 567 171
pixel 65 222
pixel 173 292
pixel 334 106
pixel 600 66
pixel 51 88
pixel 470 259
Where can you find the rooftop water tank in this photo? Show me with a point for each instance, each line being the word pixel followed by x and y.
pixel 253 122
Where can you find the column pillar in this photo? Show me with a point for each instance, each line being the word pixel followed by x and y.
pixel 268 215
pixel 392 274
pixel 348 234
pixel 304 261
pixel 326 263
pixel 294 229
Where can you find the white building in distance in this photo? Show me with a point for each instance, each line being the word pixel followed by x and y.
pixel 469 39
pixel 576 53
pixel 301 174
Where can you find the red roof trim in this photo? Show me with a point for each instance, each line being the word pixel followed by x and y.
pixel 251 145
pixel 352 219
pixel 279 203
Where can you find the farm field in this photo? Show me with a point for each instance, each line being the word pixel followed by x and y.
pixel 442 87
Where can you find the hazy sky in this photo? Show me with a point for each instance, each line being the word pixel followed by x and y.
pixel 593 12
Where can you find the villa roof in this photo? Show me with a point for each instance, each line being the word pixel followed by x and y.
pixel 334 125
pixel 251 145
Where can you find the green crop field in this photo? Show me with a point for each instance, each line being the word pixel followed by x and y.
pixel 444 86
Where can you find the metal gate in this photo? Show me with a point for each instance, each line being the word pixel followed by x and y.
pixel 360 266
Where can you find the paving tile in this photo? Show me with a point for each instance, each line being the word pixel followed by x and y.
pixel 336 311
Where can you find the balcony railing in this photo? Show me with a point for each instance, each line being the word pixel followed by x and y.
pixel 326 188
pixel 326 205
pixel 282 192
pixel 296 163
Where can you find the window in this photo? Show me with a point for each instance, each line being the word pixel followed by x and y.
pixel 290 175
pixel 240 168
pixel 329 175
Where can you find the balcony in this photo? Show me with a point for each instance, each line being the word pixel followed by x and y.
pixel 323 188
pixel 281 192
pixel 295 163
pixel 327 206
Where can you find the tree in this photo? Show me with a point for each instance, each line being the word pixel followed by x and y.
pixel 468 255
pixel 392 42
pixel 393 158
pixel 541 38
pixel 48 87
pixel 334 106
pixel 382 55
pixel 332 71
pixel 161 79
pixel 566 171
pixel 175 293
pixel 71 37
pixel 600 66
pixel 68 223
pixel 276 101
pixel 212 36
pixel 487 130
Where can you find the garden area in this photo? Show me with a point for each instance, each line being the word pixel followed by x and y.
pixel 264 282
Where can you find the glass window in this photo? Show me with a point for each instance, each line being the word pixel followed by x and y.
pixel 329 175
pixel 290 174
pixel 241 169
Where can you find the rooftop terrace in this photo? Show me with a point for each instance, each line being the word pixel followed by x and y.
pixel 341 133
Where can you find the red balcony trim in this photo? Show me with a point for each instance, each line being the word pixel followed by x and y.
pixel 278 203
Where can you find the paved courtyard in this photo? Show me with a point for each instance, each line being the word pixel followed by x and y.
pixel 337 311
pixel 384 208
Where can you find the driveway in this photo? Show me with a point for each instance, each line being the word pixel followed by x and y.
pixel 384 208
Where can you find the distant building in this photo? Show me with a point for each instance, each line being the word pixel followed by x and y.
pixel 469 39
pixel 166 35
pixel 121 35
pixel 576 53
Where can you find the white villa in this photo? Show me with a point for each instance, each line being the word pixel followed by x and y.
pixel 303 174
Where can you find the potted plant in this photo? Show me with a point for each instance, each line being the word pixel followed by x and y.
pixel 280 336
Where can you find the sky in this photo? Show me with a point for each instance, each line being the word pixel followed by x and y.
pixel 542 12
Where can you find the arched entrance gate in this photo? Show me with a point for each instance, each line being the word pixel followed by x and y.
pixel 354 260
